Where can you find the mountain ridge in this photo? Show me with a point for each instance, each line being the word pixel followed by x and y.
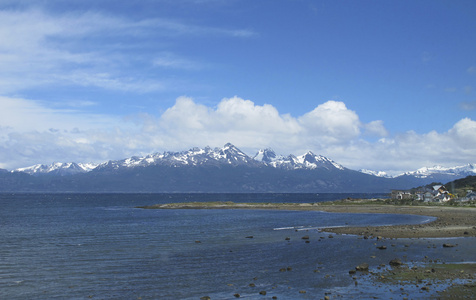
pixel 225 169
pixel 229 154
pixel 200 156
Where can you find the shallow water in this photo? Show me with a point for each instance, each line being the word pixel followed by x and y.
pixel 77 246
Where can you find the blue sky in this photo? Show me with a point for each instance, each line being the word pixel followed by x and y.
pixel 382 85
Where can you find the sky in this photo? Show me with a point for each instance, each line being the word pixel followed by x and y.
pixel 380 85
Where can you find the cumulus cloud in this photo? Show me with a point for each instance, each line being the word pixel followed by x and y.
pixel 331 122
pixel 32 133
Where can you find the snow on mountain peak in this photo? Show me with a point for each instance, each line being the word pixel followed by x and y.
pixel 57 168
pixel 375 173
pixel 308 160
pixel 468 169
pixel 424 172
pixel 267 155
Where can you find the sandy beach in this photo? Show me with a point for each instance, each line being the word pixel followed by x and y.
pixel 450 222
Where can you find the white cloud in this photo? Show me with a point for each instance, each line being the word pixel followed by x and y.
pixel 331 122
pixel 174 61
pixel 32 133
pixel 88 49
pixel 376 128
pixel 23 115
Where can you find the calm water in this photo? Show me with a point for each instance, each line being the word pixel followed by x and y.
pixel 81 246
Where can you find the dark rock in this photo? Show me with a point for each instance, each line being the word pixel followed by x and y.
pixel 237 295
pixel 306 237
pixel 448 245
pixel 395 262
pixel 382 247
pixel 205 298
pixel 249 237
pixel 351 272
pixel 362 267
pixel 287 238
pixel 252 285
pixel 262 293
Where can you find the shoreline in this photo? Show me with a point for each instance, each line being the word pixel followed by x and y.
pixel 450 221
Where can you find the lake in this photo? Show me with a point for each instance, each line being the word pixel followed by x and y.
pixel 100 246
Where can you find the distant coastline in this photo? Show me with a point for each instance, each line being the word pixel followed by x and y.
pixel 450 222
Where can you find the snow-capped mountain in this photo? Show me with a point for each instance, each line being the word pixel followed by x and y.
pixel 262 172
pixel 431 174
pixel 466 170
pixel 228 155
pixel 225 169
pixel 305 161
pixel 58 169
pixel 375 173
pixel 267 156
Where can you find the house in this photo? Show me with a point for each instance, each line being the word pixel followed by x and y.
pixel 444 197
pixel 402 195
pixel 470 196
pixel 425 196
pixel 440 194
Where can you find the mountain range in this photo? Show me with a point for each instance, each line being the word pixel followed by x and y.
pixel 225 169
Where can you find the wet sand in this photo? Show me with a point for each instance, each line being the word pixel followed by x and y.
pixel 450 222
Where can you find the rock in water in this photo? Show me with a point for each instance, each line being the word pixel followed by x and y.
pixel 362 267
pixel 396 262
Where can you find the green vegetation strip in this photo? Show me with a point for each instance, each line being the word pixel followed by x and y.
pixel 459 277
pixel 224 204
